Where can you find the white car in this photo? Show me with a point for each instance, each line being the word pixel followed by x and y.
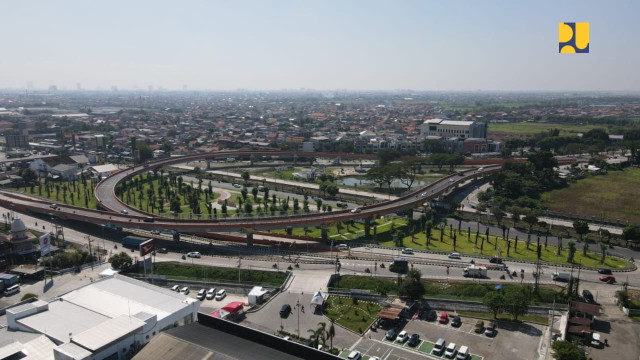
pixel 175 288
pixel 343 247
pixel 454 256
pixel 184 290
pixel 595 340
pixel 450 352
pixel 211 293
pixel 407 251
pixel 221 294
pixel 356 210
pixel 355 355
pixel 238 186
pixel 201 294
pixel 402 337
pixel 463 353
pixel 193 254
pixel 124 211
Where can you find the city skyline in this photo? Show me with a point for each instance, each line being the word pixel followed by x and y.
pixel 457 46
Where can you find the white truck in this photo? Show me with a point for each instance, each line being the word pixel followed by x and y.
pixel 475 271
pixel 560 276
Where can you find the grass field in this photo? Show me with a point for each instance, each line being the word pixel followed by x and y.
pixel 464 246
pixel 178 271
pixel 612 196
pixel 345 233
pixel 489 316
pixel 356 317
pixel 77 194
pixel 528 128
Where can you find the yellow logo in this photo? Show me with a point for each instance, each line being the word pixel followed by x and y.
pixel 573 38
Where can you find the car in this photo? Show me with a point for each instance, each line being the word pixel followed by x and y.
pixel 184 290
pixel 285 310
pixel 456 321
pixel 354 355
pixel 238 186
pixel 402 337
pixel 407 251
pixel 460 173
pixel 478 327
pixel 201 294
pixel 175 288
pixel 450 351
pixel 454 256
pixel 480 169
pixel 392 333
pixel 356 210
pixel 452 180
pixel 604 271
pixel 286 338
pixel 14 289
pixel 341 205
pixel 149 219
pixel 491 329
pixel 374 358
pixel 414 340
pixel 431 315
pixel 155 232
pixel 222 293
pixel 53 206
pixel 608 278
pixel 211 293
pixel 124 211
pixel 463 353
pixel 163 250
pixel 595 340
pixel 443 318
pixel 343 247
pixel 495 260
pixel 588 296
pixel 438 347
pixel 193 254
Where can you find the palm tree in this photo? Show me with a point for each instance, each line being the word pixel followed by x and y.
pixel 332 332
pixel 603 252
pixel 572 251
pixel 322 332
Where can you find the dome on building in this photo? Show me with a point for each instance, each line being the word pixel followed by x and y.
pixel 17 226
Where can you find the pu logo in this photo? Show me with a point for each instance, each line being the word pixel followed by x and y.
pixel 573 38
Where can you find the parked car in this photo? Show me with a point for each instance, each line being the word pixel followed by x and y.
pixel 588 296
pixel 392 333
pixel 443 318
pixel 211 293
pixel 450 351
pixel 454 256
pixel 184 290
pixel 175 288
pixel 491 329
pixel 463 353
pixel 495 260
pixel 407 251
pixel 414 340
pixel 193 254
pixel 431 315
pixel 456 321
pixel 14 289
pixel 595 340
pixel 478 327
pixel 608 278
pixel 201 294
pixel 238 186
pixel 285 310
pixel 438 347
pixel 221 294
pixel 355 355
pixel 604 271
pixel 402 337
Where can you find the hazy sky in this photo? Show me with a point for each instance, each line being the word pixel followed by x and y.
pixel 360 45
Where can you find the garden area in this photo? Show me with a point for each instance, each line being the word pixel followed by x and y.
pixel 355 315
pixel 351 230
pixel 75 192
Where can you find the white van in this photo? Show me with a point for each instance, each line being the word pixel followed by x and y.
pixel 12 290
pixel 221 294
pixel 463 353
pixel 450 351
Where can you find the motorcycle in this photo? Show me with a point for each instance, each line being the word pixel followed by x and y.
pixel 513 274
pixel 502 277
pixel 297 265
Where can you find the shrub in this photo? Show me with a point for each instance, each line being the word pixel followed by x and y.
pixel 28 296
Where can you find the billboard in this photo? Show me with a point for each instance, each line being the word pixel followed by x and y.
pixel 45 245
pixel 146 247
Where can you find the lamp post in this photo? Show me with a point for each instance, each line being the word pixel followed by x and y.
pixel 298 306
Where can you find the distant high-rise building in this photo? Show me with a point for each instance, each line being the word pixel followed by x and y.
pixel 114 88
pixel 184 87
pixel 78 86
pixel 53 88
pixel 29 85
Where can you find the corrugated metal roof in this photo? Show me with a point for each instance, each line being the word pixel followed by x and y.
pixel 107 332
pixel 74 351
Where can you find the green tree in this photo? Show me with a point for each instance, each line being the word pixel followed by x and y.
pixel 387 155
pixel 517 302
pixel 121 261
pixel 581 228
pixel 603 252
pixel 565 350
pixel 571 251
pixel 245 176
pixel 495 302
pixel 146 152
pixel 331 333
pixel 412 287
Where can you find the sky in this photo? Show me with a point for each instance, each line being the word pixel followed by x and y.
pixel 325 45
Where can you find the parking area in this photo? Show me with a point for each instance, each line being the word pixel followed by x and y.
pixel 370 348
pixel 209 305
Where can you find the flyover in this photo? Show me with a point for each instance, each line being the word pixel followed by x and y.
pixel 112 216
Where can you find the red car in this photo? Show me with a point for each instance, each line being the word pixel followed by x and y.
pixel 608 278
pixel 443 318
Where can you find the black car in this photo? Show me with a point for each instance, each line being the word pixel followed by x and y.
pixel 431 315
pixel 604 271
pixel 495 260
pixel 285 310
pixel 456 321
pixel 588 296
pixel 149 219
pixel 392 333
pixel 414 340
pixel 163 250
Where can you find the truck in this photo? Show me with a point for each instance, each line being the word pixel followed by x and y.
pixel 560 276
pixel 475 271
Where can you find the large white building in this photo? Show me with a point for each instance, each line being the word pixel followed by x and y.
pixel 453 128
pixel 111 318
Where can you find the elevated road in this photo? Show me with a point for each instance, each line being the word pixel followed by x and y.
pixel 113 215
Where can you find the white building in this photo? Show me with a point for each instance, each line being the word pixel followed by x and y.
pixel 111 318
pixel 453 128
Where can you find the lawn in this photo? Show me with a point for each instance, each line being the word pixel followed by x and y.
pixel 612 196
pixel 529 128
pixel 489 316
pixel 354 316
pixel 177 271
pixel 342 232
pixel 465 246
pixel 77 193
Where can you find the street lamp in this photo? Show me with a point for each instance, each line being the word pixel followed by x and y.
pixel 298 306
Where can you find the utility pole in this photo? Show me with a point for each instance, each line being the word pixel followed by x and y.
pixel 90 255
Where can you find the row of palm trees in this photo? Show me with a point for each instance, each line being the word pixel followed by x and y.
pixel 321 334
